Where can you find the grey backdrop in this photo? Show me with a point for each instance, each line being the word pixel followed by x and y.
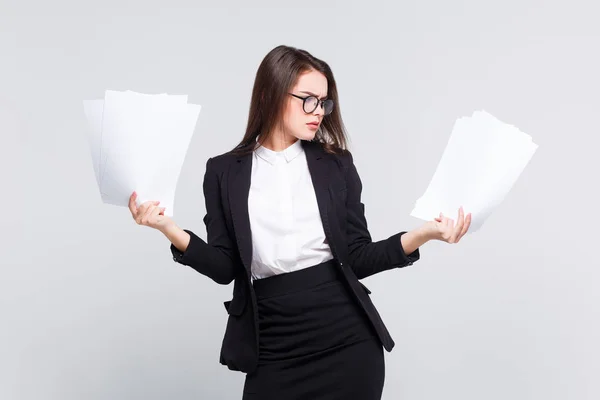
pixel 93 307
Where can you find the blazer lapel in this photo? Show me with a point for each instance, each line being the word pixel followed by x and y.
pixel 238 188
pixel 319 168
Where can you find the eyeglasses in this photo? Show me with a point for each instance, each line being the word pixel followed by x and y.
pixel 310 104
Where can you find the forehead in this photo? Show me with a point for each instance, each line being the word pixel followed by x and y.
pixel 312 81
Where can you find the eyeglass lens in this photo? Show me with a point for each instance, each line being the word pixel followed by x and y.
pixel 311 103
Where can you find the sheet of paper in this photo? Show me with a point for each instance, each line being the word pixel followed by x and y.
pixel 162 183
pixel 138 142
pixel 483 159
pixel 150 104
pixel 135 128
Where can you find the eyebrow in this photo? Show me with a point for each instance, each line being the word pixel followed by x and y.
pixel 313 94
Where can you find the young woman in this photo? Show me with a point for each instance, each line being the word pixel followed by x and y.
pixel 285 222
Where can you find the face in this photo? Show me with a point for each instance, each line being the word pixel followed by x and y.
pixel 297 123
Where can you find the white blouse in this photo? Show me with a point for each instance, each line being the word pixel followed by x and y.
pixel 287 232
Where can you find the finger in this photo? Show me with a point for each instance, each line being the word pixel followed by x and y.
pixel 459 225
pixel 153 215
pixel 467 225
pixel 444 219
pixel 146 215
pixel 132 205
pixel 449 230
pixel 465 228
pixel 153 205
pixel 158 216
pixel 143 211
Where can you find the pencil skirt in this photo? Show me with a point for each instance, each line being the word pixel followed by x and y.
pixel 315 342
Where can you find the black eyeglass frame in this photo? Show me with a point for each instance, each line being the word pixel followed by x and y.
pixel 319 102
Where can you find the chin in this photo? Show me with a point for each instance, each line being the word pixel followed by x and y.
pixel 310 135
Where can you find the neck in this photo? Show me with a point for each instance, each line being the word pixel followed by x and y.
pixel 279 141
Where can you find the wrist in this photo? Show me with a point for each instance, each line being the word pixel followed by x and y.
pixel 414 239
pixel 169 230
pixel 426 233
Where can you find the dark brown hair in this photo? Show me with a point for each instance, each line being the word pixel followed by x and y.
pixel 277 74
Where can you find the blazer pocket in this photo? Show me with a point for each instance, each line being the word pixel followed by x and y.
pixel 235 306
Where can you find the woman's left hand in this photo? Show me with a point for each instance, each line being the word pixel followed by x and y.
pixel 446 230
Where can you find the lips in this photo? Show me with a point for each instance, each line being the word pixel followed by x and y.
pixel 314 124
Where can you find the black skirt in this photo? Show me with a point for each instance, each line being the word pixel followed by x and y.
pixel 315 343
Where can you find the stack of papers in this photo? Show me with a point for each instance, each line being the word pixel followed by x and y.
pixel 139 142
pixel 481 162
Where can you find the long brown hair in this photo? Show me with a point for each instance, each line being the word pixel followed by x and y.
pixel 277 74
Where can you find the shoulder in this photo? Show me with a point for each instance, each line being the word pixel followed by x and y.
pixel 221 162
pixel 343 157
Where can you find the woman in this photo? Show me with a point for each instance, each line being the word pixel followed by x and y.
pixel 285 222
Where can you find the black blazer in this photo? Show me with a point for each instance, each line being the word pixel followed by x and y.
pixel 227 253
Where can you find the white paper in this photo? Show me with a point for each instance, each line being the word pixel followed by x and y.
pixel 160 183
pixel 483 159
pixel 138 142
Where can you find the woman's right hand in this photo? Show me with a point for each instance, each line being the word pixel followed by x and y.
pixel 149 214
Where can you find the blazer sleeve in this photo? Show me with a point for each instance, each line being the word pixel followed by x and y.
pixel 365 256
pixel 216 257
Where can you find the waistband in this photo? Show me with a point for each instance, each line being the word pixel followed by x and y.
pixel 297 280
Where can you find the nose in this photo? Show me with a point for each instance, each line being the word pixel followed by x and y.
pixel 319 110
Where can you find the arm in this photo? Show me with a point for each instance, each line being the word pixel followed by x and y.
pixel 367 257
pixel 216 258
